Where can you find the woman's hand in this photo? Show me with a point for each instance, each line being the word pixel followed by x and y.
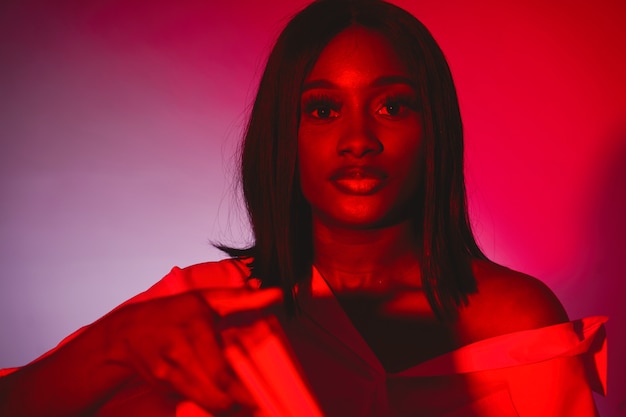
pixel 172 343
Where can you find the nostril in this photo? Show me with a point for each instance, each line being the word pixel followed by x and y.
pixel 359 141
pixel 360 147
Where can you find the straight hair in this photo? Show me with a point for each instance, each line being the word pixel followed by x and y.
pixel 280 217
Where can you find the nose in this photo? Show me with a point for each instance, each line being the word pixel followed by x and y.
pixel 359 138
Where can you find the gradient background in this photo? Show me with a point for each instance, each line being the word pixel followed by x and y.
pixel 119 120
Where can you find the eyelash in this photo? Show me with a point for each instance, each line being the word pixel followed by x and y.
pixel 315 103
pixel 403 100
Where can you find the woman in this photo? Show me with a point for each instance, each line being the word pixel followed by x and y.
pixel 352 171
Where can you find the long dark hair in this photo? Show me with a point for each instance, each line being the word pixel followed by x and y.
pixel 282 252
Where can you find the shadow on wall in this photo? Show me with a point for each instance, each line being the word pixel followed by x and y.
pixel 603 266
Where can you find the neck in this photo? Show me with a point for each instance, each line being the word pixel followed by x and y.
pixel 366 260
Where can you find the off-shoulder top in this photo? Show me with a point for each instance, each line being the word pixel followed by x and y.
pixel 317 363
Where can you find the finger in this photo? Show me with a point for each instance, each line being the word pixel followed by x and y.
pixel 189 363
pixel 185 374
pixel 226 301
pixel 149 365
pixel 211 365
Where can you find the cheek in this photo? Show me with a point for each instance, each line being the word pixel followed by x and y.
pixel 406 157
pixel 315 158
pixel 409 187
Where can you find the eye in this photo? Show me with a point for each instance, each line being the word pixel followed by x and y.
pixel 321 107
pixel 397 106
pixel 324 112
pixel 391 109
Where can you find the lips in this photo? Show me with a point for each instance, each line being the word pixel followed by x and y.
pixel 359 180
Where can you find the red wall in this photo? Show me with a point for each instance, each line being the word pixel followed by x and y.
pixel 119 119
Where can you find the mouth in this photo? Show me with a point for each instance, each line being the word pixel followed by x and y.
pixel 359 180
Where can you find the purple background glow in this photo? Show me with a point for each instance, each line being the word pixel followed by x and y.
pixel 119 121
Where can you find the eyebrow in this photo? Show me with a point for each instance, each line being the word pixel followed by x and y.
pixel 378 82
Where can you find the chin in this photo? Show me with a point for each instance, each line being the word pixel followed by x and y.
pixel 361 212
pixel 361 220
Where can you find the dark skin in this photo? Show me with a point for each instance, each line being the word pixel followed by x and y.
pixel 397 337
pixel 168 344
pixel 391 311
pixel 363 239
pixel 359 154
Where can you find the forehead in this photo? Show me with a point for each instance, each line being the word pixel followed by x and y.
pixel 357 56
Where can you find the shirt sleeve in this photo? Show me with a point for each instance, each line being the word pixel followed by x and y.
pixel 585 337
pixel 546 371
pixel 228 273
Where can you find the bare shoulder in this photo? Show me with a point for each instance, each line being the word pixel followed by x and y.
pixel 507 301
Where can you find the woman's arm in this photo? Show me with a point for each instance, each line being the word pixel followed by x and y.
pixel 76 378
pixel 168 342
pixel 508 301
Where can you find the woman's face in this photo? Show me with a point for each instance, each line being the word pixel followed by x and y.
pixel 360 134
